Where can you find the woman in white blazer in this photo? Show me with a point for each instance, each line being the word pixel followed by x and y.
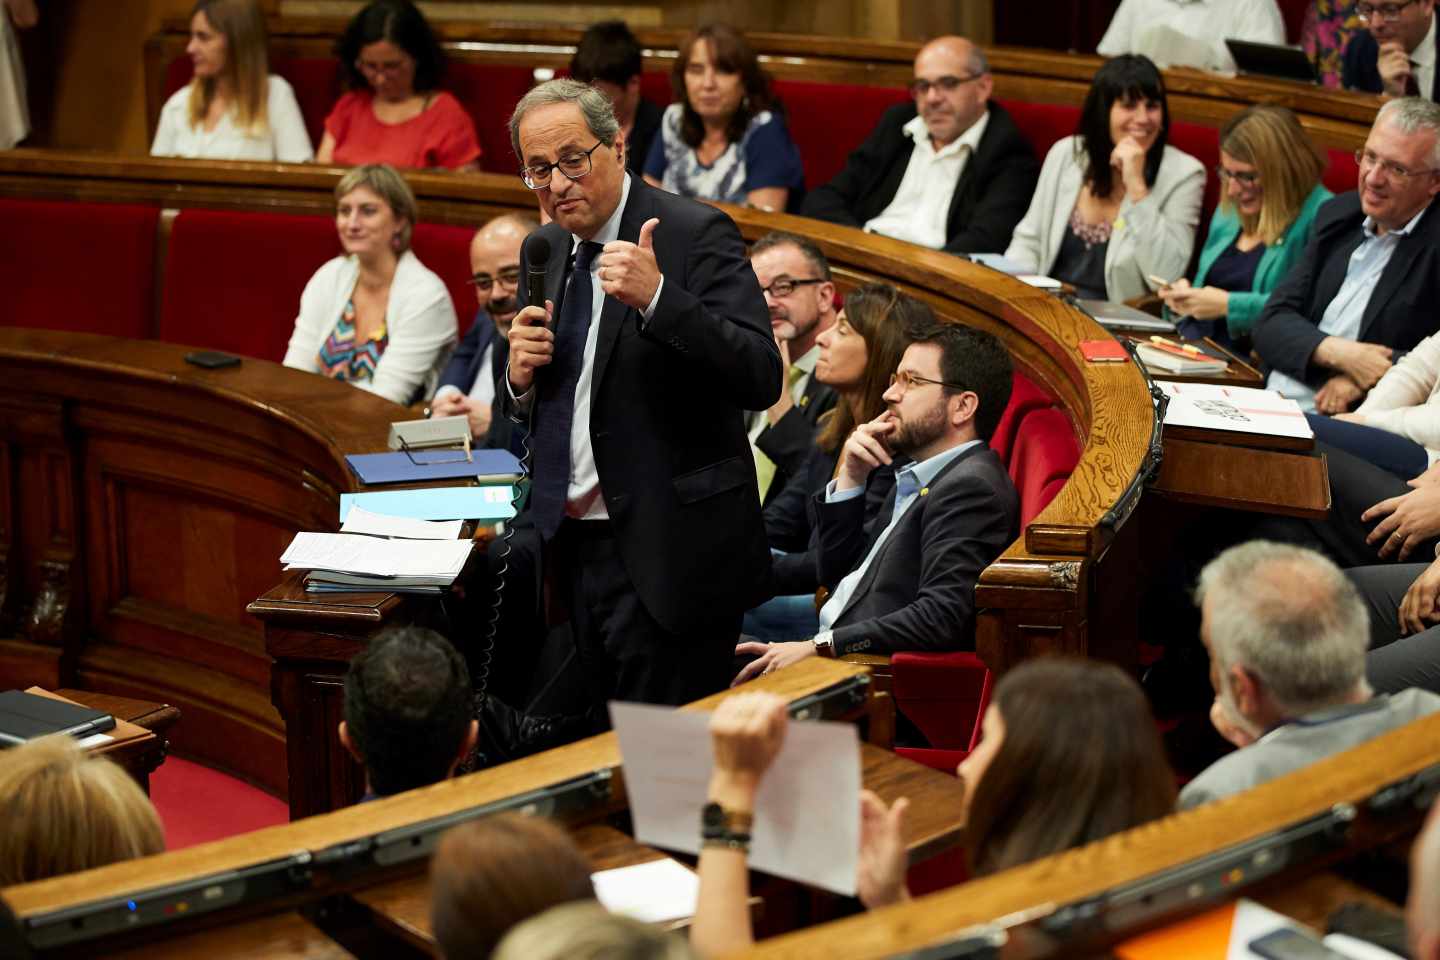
pixel 376 317
pixel 1115 205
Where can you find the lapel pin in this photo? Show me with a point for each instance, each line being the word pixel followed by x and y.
pixel 924 491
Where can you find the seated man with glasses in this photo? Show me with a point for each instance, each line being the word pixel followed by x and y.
pixel 1395 53
pixel 951 171
pixel 910 585
pixel 1367 287
pixel 469 381
pixel 1190 33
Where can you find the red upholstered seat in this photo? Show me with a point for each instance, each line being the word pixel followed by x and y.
pixel 1042 123
pixel 828 120
pixel 233 280
pixel 1024 397
pixel 446 250
pixel 78 266
pixel 1342 173
pixel 1045 452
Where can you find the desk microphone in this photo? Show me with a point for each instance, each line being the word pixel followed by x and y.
pixel 537 255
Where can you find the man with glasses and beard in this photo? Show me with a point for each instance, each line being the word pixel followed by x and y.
pixel 950 171
pixel 1395 53
pixel 469 381
pixel 911 584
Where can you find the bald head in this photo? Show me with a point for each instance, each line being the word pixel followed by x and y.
pixel 951 88
pixel 495 253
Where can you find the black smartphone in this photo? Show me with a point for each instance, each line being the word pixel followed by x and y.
pixel 1290 944
pixel 212 359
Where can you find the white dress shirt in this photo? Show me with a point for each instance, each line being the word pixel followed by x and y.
pixel 1191 33
pixel 583 497
pixel 1422 60
pixel 920 208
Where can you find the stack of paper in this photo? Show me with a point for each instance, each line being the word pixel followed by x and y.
pixel 349 562
pixel 1238 409
pixel 1169 358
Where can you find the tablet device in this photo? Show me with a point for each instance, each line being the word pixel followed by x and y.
pixel 1271 60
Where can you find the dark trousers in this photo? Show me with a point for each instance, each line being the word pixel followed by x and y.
pixel 623 653
pixel 1355 486
pixel 1400 455
pixel 1396 663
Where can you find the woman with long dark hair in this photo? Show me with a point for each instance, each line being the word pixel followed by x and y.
pixel 1116 205
pixel 724 137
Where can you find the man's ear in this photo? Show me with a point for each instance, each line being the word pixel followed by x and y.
pixel 349 744
pixel 963 407
pixel 620 146
pixel 1245 688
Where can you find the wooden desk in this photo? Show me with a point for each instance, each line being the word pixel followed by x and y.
pixel 140 757
pixel 1239 374
pixel 280 937
pixel 1245 478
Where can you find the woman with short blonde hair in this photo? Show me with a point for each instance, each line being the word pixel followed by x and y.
pixel 233 108
pixel 1270 192
pixel 65 810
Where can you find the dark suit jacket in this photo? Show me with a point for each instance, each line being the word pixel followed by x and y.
pixel 1360 69
pixel 1401 311
pixel 991 196
pixel 919 591
pixel 790 521
pixel 789 442
pixel 464 366
pixel 666 416
pixel 642 134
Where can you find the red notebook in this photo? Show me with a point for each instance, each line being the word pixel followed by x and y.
pixel 1104 351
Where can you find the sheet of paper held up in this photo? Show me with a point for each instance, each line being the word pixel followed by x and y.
pixel 807 813
pixel 652 892
pixel 361 520
pixel 387 558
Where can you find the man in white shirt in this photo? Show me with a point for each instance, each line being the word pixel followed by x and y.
pixel 795 278
pixel 467 385
pixel 1191 33
pixel 1395 53
pixel 950 171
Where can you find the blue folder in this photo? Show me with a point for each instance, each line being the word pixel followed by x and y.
pixel 435 503
pixel 487 466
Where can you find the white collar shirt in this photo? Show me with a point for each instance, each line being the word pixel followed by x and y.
pixel 920 209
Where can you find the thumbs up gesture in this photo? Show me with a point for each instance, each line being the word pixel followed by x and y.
pixel 628 271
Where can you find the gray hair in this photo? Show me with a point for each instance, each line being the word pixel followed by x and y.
pixel 1411 115
pixel 595 107
pixel 977 63
pixel 1289 616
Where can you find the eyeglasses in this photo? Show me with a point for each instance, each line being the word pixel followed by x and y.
pixel 1246 178
pixel 1390 12
pixel 919 87
pixel 1368 161
pixel 372 68
pixel 909 381
pixel 785 286
pixel 574 166
pixel 509 277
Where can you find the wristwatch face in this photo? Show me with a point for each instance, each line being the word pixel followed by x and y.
pixel 712 816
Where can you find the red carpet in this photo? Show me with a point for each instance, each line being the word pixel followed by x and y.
pixel 197 804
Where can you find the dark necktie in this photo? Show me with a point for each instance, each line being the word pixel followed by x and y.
pixel 556 397
pixel 1412 86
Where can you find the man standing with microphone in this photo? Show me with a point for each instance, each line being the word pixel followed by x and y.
pixel 654 338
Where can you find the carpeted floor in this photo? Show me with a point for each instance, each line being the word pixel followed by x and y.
pixel 197 804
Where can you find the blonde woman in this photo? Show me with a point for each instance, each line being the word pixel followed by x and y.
pixel 65 811
pixel 234 108
pixel 375 317
pixel 1270 177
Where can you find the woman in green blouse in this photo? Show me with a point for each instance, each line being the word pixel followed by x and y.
pixel 1270 176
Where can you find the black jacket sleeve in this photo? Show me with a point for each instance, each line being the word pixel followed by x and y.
pixel 1005 185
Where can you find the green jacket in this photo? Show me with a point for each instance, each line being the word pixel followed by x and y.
pixel 1275 262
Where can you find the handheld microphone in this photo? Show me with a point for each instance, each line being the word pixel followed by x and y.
pixel 537 255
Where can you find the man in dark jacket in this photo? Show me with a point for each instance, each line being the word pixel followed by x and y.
pixel 950 171
pixel 1395 53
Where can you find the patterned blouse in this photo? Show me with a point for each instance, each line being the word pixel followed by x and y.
pixel 764 157
pixel 1329 25
pixel 341 358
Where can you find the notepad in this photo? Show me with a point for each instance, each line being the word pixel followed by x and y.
pixel 360 520
pixel 348 556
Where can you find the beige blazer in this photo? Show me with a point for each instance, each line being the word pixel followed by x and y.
pixel 1155 236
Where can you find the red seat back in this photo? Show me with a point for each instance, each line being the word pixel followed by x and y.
pixel 68 265
pixel 233 280
pixel 1043 123
pixel 1045 452
pixel 1024 397
pixel 445 249
pixel 1342 173
pixel 828 120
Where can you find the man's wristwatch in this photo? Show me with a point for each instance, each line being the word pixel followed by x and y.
pixel 824 643
pixel 725 828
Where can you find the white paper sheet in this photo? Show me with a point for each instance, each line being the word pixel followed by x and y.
pixel 807 813
pixel 361 520
pixel 353 553
pixel 1241 409
pixel 1251 922
pixel 654 892
pixel 94 740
